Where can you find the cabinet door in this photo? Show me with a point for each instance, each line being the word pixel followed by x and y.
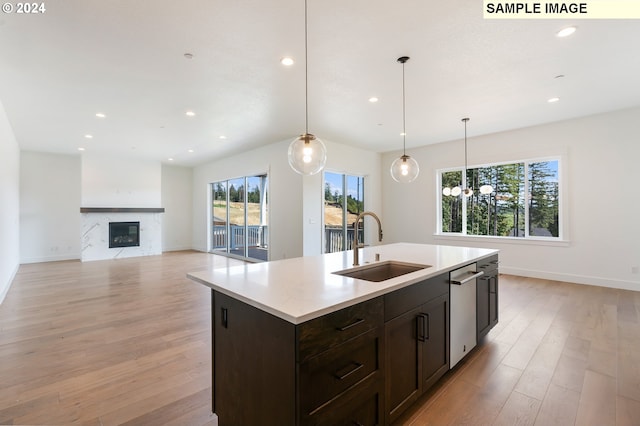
pixel 433 332
pixel 493 300
pixel 487 306
pixel 403 363
pixel 253 365
pixel 483 317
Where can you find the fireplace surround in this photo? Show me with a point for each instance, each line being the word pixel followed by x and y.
pixel 97 234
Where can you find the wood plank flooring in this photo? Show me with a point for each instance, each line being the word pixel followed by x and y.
pixel 128 342
pixel 562 354
pixel 108 342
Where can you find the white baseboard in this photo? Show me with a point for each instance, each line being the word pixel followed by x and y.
pixel 164 250
pixel 573 278
pixel 6 286
pixel 56 258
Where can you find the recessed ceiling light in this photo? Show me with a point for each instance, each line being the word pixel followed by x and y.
pixel 552 100
pixel 286 61
pixel 222 137
pixel 100 115
pixel 566 32
pixel 403 134
pixel 373 99
pixel 170 159
pixel 190 113
pixel 80 149
pixel 190 150
pixel 88 136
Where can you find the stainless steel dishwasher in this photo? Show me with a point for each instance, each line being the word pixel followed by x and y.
pixel 463 312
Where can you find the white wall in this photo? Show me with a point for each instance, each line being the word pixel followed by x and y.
pixel 9 204
pixel 50 200
pixel 600 175
pixel 49 207
pixel 115 181
pixel 285 196
pixel 177 200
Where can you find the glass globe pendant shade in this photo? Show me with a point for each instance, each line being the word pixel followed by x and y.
pixel 307 155
pixel 468 192
pixel 404 169
pixel 446 191
pixel 486 189
pixel 456 191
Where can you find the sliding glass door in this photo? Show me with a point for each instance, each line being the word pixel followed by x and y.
pixel 343 202
pixel 240 217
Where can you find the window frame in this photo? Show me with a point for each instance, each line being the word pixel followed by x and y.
pixel 561 239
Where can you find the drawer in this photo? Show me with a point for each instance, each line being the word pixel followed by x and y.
pixel 318 335
pixel 488 264
pixel 405 299
pixel 362 405
pixel 331 373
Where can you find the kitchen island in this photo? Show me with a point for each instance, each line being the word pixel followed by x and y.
pixel 296 343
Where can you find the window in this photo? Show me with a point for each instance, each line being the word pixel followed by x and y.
pixel 340 212
pixel 239 213
pixel 524 200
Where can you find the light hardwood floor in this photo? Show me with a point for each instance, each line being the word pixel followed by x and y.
pixel 128 342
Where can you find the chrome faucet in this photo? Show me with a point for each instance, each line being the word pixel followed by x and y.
pixel 356 245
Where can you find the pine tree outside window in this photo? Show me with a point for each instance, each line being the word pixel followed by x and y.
pixel 524 203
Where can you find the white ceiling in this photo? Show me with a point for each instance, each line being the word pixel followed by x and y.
pixel 126 59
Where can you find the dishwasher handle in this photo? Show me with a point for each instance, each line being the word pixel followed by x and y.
pixel 467 279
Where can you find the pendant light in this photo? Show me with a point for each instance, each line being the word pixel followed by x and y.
pixel 404 169
pixel 468 192
pixel 307 154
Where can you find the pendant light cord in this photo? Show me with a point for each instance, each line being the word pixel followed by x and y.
pixel 402 60
pixel 306 75
pixel 404 119
pixel 465 143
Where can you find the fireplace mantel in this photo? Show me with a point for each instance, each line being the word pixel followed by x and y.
pixel 121 209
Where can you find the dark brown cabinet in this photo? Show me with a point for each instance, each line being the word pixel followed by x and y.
pixel 254 378
pixel 417 342
pixel 487 296
pixel 327 371
pixel 361 365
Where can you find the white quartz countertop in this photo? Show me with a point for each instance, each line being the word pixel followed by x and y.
pixel 304 288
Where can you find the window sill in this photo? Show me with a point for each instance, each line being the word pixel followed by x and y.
pixel 504 240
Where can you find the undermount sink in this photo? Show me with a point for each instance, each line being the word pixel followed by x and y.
pixel 381 271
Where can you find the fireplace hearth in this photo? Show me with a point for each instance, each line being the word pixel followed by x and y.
pixel 124 234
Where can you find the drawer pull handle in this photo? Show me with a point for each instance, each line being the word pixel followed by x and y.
pixel 343 376
pixel 224 317
pixel 423 327
pixel 472 276
pixel 353 324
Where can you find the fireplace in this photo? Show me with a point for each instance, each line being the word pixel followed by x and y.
pixel 124 234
